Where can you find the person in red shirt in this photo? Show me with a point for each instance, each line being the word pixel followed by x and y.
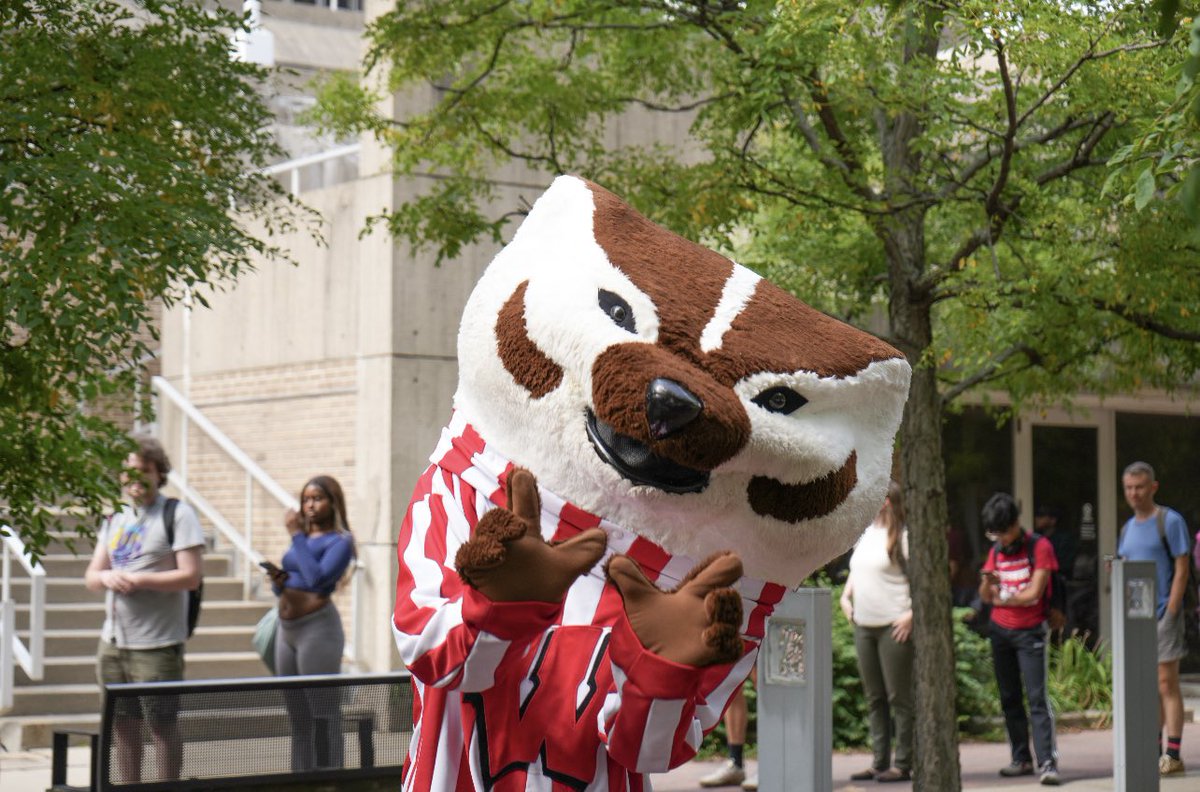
pixel 1015 590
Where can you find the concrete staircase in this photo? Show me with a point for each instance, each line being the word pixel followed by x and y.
pixel 68 694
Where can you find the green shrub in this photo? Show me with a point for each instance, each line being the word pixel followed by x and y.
pixel 976 700
pixel 1080 678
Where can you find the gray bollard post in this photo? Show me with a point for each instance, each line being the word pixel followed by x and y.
pixel 1135 676
pixel 795 696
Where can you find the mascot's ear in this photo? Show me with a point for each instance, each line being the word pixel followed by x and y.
pixel 529 366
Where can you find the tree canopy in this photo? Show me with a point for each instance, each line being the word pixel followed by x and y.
pixel 939 163
pixel 131 144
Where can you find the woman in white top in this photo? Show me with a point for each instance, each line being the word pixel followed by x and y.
pixel 876 600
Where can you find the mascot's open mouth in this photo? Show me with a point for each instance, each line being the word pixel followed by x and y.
pixel 636 462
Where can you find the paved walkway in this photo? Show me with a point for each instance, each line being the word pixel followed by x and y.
pixel 1085 763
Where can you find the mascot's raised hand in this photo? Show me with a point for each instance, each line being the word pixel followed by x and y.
pixel 563 631
pixel 508 546
pixel 698 623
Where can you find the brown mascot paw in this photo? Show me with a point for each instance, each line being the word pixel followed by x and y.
pixel 697 624
pixel 507 560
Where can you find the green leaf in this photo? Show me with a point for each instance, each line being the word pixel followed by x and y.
pixel 1143 190
pixel 1189 194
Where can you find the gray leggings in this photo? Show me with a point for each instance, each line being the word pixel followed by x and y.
pixel 312 644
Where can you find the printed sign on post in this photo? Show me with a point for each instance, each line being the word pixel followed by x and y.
pixel 785 652
pixel 1139 598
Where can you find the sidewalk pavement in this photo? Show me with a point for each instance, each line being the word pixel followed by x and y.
pixel 1085 764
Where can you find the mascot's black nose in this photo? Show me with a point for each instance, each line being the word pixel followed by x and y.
pixel 670 407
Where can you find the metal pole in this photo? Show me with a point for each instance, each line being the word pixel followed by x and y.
pixel 1135 676
pixel 795 695
pixel 182 465
pixel 249 534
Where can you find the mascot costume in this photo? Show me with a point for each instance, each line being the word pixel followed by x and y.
pixel 649 445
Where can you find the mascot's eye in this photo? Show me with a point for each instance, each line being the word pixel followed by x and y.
pixel 618 310
pixel 780 400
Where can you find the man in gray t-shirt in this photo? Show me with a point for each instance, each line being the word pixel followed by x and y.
pixel 145 579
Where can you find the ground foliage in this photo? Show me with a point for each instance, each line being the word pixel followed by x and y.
pixel 130 145
pixel 938 164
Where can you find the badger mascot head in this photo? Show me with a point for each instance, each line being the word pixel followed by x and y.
pixel 649 443
pixel 657 384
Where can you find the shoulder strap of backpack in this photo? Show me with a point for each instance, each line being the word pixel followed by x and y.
pixel 1162 532
pixel 1031 548
pixel 169 519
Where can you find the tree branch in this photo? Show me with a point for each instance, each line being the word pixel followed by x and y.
pixel 991 204
pixel 1145 321
pixel 1089 55
pixel 989 372
pixel 1082 156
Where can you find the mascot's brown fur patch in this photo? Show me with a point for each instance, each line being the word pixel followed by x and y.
pixel 660 263
pixel 527 364
pixel 822 345
pixel 619 379
pixel 795 502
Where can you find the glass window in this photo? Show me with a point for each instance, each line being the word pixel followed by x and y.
pixel 978 455
pixel 1171 445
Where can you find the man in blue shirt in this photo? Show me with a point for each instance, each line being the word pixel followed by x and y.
pixel 1168 547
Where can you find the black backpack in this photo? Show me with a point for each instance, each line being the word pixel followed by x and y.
pixel 197 594
pixel 1055 595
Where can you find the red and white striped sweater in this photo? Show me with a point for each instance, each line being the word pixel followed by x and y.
pixel 538 696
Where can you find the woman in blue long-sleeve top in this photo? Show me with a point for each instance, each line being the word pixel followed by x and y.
pixel 310 639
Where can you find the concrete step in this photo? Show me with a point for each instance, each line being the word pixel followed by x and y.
pixel 216 564
pixel 90 615
pixel 82 693
pixel 197 665
pixel 55 699
pixel 72 589
pixel 26 732
pixel 64 643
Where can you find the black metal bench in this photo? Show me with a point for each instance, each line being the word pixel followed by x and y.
pixel 266 731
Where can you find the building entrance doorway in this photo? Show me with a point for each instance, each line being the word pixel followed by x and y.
pixel 1065 497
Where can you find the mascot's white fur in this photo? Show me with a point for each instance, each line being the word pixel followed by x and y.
pixel 673 408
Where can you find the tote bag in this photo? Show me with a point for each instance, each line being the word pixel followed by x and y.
pixel 264 637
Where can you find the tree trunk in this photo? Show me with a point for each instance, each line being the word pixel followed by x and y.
pixel 936 732
pixel 924 479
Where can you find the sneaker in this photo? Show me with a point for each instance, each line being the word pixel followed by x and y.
pixel 727 774
pixel 751 783
pixel 892 775
pixel 865 775
pixel 1169 766
pixel 1017 769
pixel 1050 775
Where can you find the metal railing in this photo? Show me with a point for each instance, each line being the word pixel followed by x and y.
pixel 291 170
pixel 12 650
pixel 242 540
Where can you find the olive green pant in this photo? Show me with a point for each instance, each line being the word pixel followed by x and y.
pixel 886 666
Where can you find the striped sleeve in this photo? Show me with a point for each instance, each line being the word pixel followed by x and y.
pixel 658 712
pixel 448 635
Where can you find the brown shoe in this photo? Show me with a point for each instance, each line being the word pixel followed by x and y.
pixel 892 775
pixel 864 775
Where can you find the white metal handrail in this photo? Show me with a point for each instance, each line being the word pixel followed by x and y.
pixel 13 651
pixel 294 166
pixel 239 456
pixel 243 541
pixel 223 525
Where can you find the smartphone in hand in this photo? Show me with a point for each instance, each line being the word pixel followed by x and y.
pixel 270 567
